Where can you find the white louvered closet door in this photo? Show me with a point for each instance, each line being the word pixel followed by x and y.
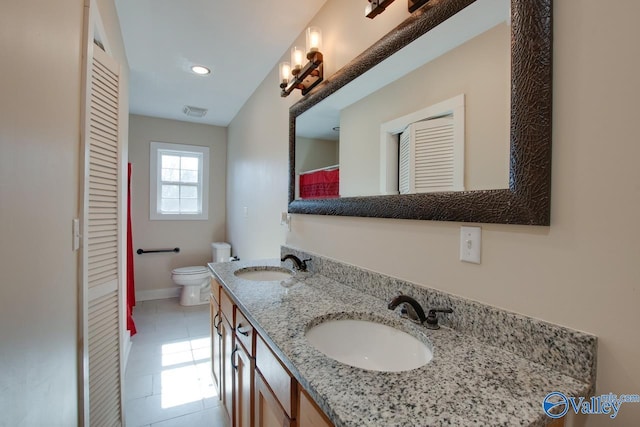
pixel 101 260
pixel 431 158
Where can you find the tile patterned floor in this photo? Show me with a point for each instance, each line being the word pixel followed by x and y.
pixel 168 376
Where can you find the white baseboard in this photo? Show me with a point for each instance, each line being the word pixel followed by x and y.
pixel 157 294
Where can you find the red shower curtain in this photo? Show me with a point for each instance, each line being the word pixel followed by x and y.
pixel 131 293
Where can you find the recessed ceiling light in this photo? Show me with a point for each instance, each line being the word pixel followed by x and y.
pixel 199 69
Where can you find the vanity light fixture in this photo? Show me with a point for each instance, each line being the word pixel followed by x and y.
pixel 200 70
pixel 416 4
pixel 376 7
pixel 296 74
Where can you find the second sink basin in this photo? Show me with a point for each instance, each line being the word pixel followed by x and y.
pixel 264 274
pixel 369 345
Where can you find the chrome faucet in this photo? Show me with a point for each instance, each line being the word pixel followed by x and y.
pixel 297 264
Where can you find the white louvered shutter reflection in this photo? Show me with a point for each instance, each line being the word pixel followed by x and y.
pixel 429 160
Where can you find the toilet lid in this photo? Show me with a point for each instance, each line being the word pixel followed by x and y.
pixel 190 270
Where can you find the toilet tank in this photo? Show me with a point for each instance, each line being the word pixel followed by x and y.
pixel 220 251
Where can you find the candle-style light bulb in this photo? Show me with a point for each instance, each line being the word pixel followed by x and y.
pixel 296 59
pixel 285 73
pixel 314 40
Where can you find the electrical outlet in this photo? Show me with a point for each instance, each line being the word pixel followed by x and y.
pixel 470 244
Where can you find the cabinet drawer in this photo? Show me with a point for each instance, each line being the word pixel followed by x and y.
pixel 226 306
pixel 244 332
pixel 276 376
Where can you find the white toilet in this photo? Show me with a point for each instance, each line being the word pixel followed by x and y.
pixel 196 281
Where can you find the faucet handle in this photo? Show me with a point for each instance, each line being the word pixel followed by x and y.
pixel 432 317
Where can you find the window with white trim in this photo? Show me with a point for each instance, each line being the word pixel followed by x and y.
pixel 179 178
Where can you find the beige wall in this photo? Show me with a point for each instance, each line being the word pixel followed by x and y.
pixel 486 90
pixel 41 47
pixel 258 174
pixel 153 271
pixel 315 153
pixel 581 272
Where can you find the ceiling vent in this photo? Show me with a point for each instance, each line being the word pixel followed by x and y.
pixel 194 111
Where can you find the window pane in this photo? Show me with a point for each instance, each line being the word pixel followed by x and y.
pixel 188 192
pixel 170 162
pixel 170 191
pixel 171 175
pixel 188 176
pixel 170 205
pixel 189 205
pixel 190 163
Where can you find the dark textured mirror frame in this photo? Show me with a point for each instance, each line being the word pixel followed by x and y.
pixel 527 201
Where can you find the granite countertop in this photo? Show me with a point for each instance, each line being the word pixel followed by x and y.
pixel 467 383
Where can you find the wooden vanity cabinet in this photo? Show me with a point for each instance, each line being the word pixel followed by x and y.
pixel 255 387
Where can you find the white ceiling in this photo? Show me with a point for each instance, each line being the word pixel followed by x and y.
pixel 239 40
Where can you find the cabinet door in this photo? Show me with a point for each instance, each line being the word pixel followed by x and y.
pixel 280 382
pixel 268 412
pixel 243 390
pixel 216 346
pixel 227 368
pixel 309 415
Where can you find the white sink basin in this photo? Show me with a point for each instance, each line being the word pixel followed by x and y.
pixel 264 274
pixel 369 345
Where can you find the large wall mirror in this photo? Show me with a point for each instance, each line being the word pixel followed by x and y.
pixel 474 74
